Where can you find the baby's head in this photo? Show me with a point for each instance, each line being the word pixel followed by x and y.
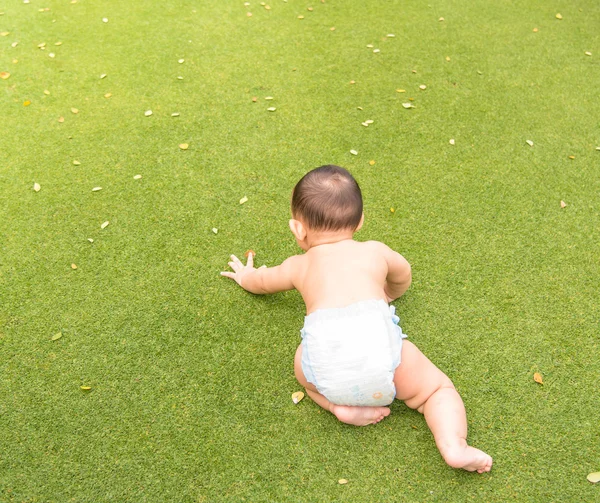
pixel 327 200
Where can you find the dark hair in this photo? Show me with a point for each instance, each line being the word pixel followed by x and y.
pixel 328 199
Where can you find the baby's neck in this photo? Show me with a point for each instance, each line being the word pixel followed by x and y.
pixel 314 239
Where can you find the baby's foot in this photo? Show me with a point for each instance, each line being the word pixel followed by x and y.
pixel 468 458
pixel 359 416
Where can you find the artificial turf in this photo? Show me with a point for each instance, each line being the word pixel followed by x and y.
pixel 191 377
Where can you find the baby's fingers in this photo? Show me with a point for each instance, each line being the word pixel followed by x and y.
pixel 228 274
pixel 250 262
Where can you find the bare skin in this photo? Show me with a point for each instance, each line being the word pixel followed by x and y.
pixel 321 276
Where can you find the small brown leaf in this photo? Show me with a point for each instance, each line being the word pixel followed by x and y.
pixel 537 377
pixel 594 477
pixel 4 75
pixel 61 119
pixel 296 397
pixel 74 110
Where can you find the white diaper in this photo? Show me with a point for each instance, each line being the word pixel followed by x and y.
pixel 350 353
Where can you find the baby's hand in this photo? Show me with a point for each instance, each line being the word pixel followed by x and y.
pixel 240 270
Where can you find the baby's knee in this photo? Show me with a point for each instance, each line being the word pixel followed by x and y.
pixel 419 401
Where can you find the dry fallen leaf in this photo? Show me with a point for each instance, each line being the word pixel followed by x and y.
pixel 36 187
pixel 57 43
pixel 73 266
pixel 215 230
pixel 26 103
pixel 354 152
pixel 588 53
pixel 148 113
pixel 103 75
pixel 46 92
pixel 408 105
pixel 372 163
pixel 183 146
pixel 571 157
pixel 452 142
pixel 563 204
pixel 342 482
pixel 352 82
pixel 85 388
pixel 96 189
pixel 268 97
pixel 376 51
pixel 61 119
pixel 103 226
pixel 535 30
pixel 254 99
pixel 74 110
pixel 537 377
pixel 175 114
pixel 441 19
pixel 76 163
pixel 108 95
pixel 249 14
pixel 90 240
pixel 300 17
pixel 296 397
pixel 271 109
pixel 105 20
pixel 447 58
pixel 392 210
pixel 137 177
pixel 400 90
pixel 243 200
pixel 529 142
pixel 4 75
pixel 180 60
pixel 422 87
pixel 51 54
pixel 57 336
pixel 594 477
pixel 558 16
pixel 390 35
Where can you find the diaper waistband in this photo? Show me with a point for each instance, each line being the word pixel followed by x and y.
pixel 358 308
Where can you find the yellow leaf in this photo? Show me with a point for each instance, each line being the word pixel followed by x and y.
pixel 102 76
pixel 215 230
pixel 148 113
pixel 180 60
pixel 74 110
pixel 422 87
pixel 61 119
pixel 137 177
pixel 296 397
pixel 108 95
pixel 354 152
pixel 36 187
pixel 243 200
pixel 588 53
pixel 392 210
pixel 451 141
pixel 103 226
pixel 447 58
pixel 400 90
pixel 563 204
pixel 300 17
pixel 4 33
pixel 73 266
pixel 26 103
pixel 342 482
pixel 96 189
pixel 57 336
pixel 46 92
pixel 537 377
pixel 4 75
pixel 594 477
pixel 183 146
pixel 85 388
pixel 372 163
pixel 571 157
pixel 558 16
pixel 76 163
pixel 271 109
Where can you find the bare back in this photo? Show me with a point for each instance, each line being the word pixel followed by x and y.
pixel 341 273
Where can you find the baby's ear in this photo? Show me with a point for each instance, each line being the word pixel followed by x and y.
pixel 297 229
pixel 360 224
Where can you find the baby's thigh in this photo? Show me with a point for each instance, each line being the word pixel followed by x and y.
pixel 416 378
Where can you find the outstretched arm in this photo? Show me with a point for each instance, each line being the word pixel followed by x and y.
pixel 264 279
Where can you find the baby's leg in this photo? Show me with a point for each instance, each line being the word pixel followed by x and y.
pixel 357 416
pixel 422 386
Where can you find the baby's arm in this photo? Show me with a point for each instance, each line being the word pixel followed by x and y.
pixel 399 274
pixel 264 279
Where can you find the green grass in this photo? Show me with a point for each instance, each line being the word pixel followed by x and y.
pixel 191 376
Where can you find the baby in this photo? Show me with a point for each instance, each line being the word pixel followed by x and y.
pixel 353 359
